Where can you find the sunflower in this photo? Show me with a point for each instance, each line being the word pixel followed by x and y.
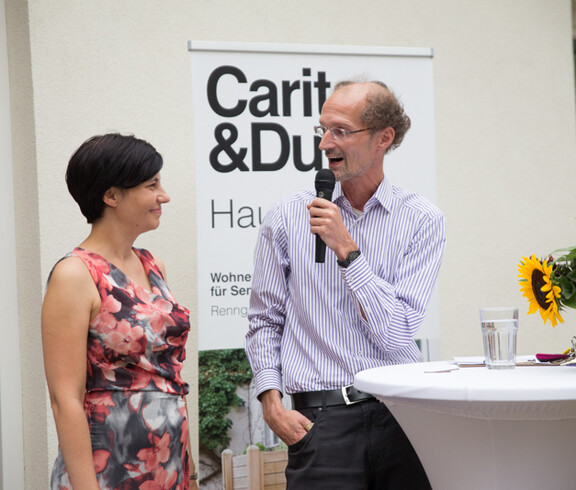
pixel 539 288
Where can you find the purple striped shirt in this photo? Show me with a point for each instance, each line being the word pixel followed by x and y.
pixel 307 331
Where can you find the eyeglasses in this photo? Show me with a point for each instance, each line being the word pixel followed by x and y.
pixel 337 133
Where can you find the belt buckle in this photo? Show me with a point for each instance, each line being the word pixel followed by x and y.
pixel 345 396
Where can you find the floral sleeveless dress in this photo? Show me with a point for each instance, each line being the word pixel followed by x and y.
pixel 134 392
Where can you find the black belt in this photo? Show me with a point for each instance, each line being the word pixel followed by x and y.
pixel 347 395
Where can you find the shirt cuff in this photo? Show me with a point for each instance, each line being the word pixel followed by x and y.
pixel 357 274
pixel 267 379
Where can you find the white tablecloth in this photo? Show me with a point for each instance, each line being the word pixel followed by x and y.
pixel 476 428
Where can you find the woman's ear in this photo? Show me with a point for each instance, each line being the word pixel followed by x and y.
pixel 111 196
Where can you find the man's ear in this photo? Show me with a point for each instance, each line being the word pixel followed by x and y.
pixel 387 137
pixel 111 196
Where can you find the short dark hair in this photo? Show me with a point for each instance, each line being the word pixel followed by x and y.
pixel 109 160
pixel 383 109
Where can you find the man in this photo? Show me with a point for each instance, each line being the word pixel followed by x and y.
pixel 313 326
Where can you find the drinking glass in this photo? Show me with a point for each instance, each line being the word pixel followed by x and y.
pixel 499 331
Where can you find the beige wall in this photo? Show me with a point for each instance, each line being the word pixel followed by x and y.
pixel 11 443
pixel 505 139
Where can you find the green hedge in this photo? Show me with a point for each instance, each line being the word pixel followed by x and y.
pixel 220 373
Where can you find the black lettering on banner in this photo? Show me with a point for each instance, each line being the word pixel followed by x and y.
pixel 230 212
pixel 212 91
pixel 240 291
pixel 225 145
pixel 265 102
pixel 271 96
pixel 297 152
pixel 245 217
pixel 247 220
pixel 322 85
pixel 257 163
pixel 229 277
pixel 287 89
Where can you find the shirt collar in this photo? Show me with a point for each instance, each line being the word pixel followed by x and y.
pixel 383 195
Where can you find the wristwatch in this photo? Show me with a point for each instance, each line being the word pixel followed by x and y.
pixel 194 476
pixel 348 260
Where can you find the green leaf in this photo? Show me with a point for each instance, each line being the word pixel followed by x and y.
pixel 570 302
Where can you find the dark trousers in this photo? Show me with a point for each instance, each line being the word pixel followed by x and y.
pixel 354 447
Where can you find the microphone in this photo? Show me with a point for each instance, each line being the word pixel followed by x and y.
pixel 324 184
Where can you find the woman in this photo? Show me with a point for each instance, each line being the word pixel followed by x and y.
pixel 113 335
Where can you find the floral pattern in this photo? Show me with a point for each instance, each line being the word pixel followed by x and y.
pixel 134 391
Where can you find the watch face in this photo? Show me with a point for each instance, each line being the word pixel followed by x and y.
pixel 351 256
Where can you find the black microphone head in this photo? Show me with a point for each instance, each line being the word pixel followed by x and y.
pixel 325 180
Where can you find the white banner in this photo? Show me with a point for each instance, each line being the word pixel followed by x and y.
pixel 254 109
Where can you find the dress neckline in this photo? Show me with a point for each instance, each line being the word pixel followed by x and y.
pixel 129 279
